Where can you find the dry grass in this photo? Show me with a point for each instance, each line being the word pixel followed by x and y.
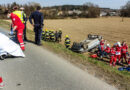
pixel 112 29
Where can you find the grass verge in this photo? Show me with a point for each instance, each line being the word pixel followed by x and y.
pixel 120 79
pixel 4 24
pixel 102 70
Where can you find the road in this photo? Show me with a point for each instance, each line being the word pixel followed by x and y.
pixel 44 70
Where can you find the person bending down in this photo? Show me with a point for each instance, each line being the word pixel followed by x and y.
pixel 18 26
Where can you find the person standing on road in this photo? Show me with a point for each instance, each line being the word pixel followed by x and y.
pixel 37 17
pixel 18 13
pixel 24 21
pixel 18 26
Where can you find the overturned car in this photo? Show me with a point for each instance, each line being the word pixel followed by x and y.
pixel 86 45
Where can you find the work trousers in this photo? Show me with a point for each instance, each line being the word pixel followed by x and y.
pixel 24 32
pixel 118 57
pixel 20 38
pixel 123 56
pixel 112 60
pixel 38 35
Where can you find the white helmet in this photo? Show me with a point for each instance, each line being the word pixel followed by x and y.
pixel 108 45
pixel 22 8
pixel 119 44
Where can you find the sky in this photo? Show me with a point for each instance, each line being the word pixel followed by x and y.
pixel 114 4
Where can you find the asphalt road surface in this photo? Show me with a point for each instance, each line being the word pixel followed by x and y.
pixel 43 70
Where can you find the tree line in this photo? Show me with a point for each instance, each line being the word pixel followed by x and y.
pixel 87 10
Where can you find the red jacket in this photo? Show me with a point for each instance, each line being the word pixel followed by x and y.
pixel 102 42
pixel 107 49
pixel 112 51
pixel 17 22
pixel 124 48
pixel 102 45
pixel 118 50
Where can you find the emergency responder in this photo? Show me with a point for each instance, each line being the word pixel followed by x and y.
pixel 107 50
pixel 37 17
pixel 18 13
pixel 112 56
pixel 46 30
pixel 118 52
pixel 52 36
pixel 67 41
pixel 60 34
pixel 18 26
pixel 47 37
pixel 50 31
pixel 24 21
pixel 124 51
pixel 43 35
pixel 101 48
pixel 56 37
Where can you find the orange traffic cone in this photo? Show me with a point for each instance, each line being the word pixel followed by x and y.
pixel 1 83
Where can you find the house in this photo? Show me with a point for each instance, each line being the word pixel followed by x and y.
pixel 109 12
pixel 71 12
pixel 103 13
pixel 60 13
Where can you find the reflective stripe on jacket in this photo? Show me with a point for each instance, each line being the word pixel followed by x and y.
pixel 67 41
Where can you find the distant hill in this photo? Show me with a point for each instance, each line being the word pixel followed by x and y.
pixel 67 7
pixel 88 10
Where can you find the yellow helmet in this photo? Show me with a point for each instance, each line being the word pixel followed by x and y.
pixel 46 29
pixel 66 36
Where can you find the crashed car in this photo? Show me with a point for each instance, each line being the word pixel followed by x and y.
pixel 9 48
pixel 86 45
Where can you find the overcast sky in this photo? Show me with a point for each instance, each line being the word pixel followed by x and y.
pixel 115 4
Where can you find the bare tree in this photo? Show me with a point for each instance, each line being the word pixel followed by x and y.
pixel 125 10
pixel 93 10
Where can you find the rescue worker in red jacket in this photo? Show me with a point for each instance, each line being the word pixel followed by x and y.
pixel 107 50
pixel 18 26
pixel 102 42
pixel 124 50
pixel 118 52
pixel 112 56
pixel 101 48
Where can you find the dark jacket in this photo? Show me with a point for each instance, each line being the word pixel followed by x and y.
pixel 37 18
